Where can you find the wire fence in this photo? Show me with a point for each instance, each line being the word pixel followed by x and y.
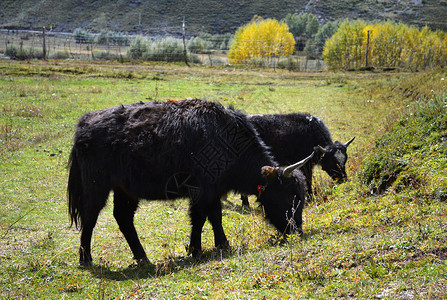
pixel 30 45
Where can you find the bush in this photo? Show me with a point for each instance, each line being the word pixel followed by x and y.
pixel 215 61
pixel 217 41
pixel 290 64
pixel 60 55
pixel 199 45
pixel 193 58
pixel 22 53
pixel 112 38
pixel 104 55
pixel 167 49
pixel 137 47
pixel 82 36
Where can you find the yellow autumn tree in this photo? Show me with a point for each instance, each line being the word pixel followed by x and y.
pixel 390 45
pixel 261 39
pixel 344 49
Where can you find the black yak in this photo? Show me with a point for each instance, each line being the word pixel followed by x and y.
pixel 140 150
pixel 294 136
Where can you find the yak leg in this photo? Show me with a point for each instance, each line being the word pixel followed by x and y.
pixel 198 218
pixel 299 217
pixel 88 223
pixel 92 205
pixel 307 171
pixel 124 211
pixel 215 218
pixel 244 199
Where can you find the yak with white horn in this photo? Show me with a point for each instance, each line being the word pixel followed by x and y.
pixel 175 149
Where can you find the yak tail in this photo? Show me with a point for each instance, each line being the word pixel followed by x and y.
pixel 74 190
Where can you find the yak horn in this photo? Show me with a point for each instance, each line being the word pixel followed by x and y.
pixel 348 142
pixel 289 169
pixel 322 149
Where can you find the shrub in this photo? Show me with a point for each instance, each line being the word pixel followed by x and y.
pixel 112 38
pixel 60 55
pixel 217 41
pixel 137 47
pixel 104 55
pixel 199 45
pixel 290 64
pixel 167 49
pixel 23 53
pixel 210 60
pixel 82 36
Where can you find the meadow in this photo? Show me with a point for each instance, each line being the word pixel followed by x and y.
pixel 359 241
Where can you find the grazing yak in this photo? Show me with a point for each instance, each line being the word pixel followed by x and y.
pixel 165 150
pixel 294 136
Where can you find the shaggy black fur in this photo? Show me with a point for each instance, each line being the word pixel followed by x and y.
pixel 292 137
pixel 140 150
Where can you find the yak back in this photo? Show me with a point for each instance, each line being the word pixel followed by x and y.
pixel 139 147
pixel 301 132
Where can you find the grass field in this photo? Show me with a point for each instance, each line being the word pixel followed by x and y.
pixel 358 242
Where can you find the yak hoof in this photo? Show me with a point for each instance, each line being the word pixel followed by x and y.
pixel 224 246
pixel 194 251
pixel 86 264
pixel 143 262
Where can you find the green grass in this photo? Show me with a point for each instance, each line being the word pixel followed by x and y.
pixel 356 244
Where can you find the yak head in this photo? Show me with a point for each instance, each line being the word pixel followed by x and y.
pixel 283 196
pixel 333 160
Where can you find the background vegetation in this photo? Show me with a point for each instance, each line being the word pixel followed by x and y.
pixel 389 45
pixel 348 45
pixel 262 40
pixel 162 17
pixel 383 234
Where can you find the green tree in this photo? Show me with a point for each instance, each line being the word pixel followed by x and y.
pixel 324 33
pixel 304 27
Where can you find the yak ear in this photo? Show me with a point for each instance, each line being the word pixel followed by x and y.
pixel 269 172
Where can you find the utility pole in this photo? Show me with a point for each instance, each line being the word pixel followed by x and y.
pixel 184 42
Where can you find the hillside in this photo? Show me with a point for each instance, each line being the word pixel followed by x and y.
pixel 159 17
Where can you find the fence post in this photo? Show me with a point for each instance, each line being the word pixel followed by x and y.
pixel 367 50
pixel 184 42
pixel 44 47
